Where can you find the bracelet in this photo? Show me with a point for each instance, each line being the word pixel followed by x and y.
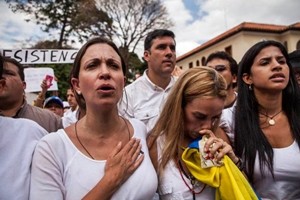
pixel 240 164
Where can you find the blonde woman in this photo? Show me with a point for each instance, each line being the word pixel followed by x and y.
pixel 192 109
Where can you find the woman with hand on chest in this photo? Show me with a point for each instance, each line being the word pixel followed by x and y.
pixel 101 156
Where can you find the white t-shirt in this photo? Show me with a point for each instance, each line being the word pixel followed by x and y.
pixel 172 186
pixel 144 100
pixel 287 175
pixel 18 138
pixel 227 121
pixel 70 117
pixel 61 171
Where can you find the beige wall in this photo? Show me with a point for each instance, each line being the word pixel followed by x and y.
pixel 240 43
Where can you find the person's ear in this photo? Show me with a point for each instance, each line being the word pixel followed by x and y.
pixel 234 78
pixel 146 55
pixel 24 85
pixel 125 79
pixel 75 85
pixel 247 79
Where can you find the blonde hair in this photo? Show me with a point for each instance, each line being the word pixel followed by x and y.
pixel 199 82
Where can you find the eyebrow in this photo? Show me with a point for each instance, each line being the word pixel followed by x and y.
pixel 5 71
pixel 106 59
pixel 200 113
pixel 270 57
pixel 219 65
pixel 223 66
pixel 165 44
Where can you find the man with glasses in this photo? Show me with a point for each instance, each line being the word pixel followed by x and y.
pixel 225 65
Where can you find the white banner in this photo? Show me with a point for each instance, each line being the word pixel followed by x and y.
pixel 41 56
pixel 35 76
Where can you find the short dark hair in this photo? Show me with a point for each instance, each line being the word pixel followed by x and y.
pixel 295 58
pixel 155 34
pixel 224 56
pixel 19 66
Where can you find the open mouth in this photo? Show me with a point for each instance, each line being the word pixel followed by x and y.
pixel 277 76
pixel 106 88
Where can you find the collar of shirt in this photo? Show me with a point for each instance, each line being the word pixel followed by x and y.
pixel 156 87
pixel 20 109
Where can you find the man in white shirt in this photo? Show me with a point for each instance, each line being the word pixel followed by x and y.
pixel 143 99
pixel 71 100
pixel 71 115
pixel 225 65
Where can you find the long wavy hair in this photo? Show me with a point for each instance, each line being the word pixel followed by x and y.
pixel 199 82
pixel 249 138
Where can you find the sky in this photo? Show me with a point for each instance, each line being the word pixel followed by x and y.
pixel 195 21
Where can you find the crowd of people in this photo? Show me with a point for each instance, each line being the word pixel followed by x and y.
pixel 117 141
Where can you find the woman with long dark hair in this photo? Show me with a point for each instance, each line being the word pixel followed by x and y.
pixel 267 121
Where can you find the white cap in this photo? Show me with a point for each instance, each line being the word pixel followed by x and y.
pixel 66 104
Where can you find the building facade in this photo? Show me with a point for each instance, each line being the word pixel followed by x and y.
pixel 239 39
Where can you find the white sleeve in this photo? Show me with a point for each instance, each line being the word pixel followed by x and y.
pixel 46 173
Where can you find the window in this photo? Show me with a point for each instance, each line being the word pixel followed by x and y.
pixel 228 50
pixel 285 45
pixel 197 63
pixel 191 65
pixel 203 61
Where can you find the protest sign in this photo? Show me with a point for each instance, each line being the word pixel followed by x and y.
pixel 41 56
pixel 35 76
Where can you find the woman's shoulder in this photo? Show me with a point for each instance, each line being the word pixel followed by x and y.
pixel 54 140
pixel 57 146
pixel 138 126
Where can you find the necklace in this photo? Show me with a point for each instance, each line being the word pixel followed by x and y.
pixel 271 121
pixel 86 148
pixel 191 178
